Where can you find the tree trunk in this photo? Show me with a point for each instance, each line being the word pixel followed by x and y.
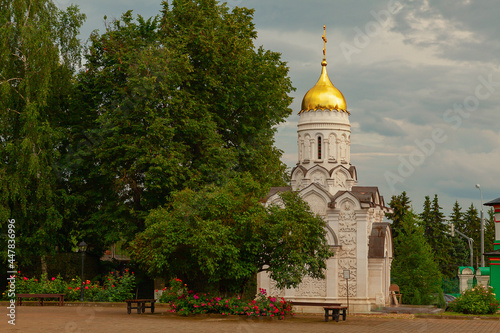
pixel 44 265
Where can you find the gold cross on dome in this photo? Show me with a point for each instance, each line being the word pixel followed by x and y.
pixel 324 42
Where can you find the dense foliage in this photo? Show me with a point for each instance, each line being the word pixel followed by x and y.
pixel 181 100
pixel 223 236
pixel 186 302
pixel 39 51
pixel 178 101
pixel 115 287
pixel 414 268
pixel 478 300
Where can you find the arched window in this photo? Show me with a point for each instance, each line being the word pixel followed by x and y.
pixel 319 148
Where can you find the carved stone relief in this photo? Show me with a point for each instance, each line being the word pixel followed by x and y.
pixel 311 288
pixel 299 180
pixel 307 148
pixel 273 289
pixel 349 264
pixel 340 179
pixel 343 149
pixel 301 149
pixel 332 147
pixel 317 204
pixel 319 178
pixel 347 256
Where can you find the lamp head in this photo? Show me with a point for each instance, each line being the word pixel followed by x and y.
pixel 478 186
pixel 82 246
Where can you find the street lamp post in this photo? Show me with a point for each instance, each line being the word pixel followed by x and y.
pixel 482 225
pixel 83 248
pixel 347 274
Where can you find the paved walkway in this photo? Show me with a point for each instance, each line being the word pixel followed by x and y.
pixel 83 319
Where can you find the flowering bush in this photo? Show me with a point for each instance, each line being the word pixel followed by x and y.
pixel 116 288
pixel 478 300
pixel 185 302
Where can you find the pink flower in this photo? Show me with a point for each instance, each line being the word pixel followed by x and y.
pixel 25 278
pixel 53 278
pixel 196 296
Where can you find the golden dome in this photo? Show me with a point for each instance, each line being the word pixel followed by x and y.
pixel 324 95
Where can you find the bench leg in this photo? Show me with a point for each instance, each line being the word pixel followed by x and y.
pixel 143 307
pixel 344 314
pixel 129 308
pixel 326 314
pixel 336 315
pixel 152 307
pixel 139 307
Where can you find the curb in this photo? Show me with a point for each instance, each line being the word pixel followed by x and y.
pixel 89 304
pixel 465 317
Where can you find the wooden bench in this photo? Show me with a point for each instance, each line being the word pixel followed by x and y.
pixel 40 298
pixel 327 306
pixel 335 312
pixel 141 305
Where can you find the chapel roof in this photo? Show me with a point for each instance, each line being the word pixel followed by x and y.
pixel 493 202
pixel 323 95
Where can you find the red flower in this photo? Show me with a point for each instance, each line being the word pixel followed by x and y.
pixel 53 278
pixel 86 287
pixel 69 288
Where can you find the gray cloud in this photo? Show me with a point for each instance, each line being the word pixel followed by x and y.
pixel 424 61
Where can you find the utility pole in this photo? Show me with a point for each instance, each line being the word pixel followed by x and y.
pixel 482 226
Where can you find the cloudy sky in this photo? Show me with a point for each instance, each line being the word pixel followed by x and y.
pixel 421 79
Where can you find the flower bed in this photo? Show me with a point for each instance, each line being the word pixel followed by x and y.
pixel 478 300
pixel 186 302
pixel 115 288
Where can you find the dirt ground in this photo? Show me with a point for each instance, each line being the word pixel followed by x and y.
pixel 85 319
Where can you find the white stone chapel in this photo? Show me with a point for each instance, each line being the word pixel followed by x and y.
pixel 327 181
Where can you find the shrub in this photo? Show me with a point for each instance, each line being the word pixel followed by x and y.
pixel 186 302
pixel 441 303
pixel 478 300
pixel 116 288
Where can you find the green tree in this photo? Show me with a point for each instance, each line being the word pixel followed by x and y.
pixel 244 88
pixel 220 237
pixel 39 52
pixel 489 230
pixel 459 252
pixel 414 268
pixel 472 228
pixel 173 102
pixel 401 206
pixel 437 235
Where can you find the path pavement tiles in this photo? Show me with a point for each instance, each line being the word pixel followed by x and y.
pixel 87 319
